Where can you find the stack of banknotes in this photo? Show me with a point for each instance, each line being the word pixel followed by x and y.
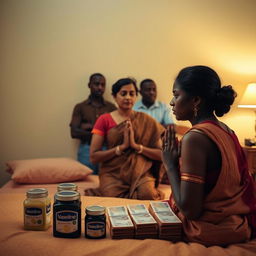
pixel 120 223
pixel 170 226
pixel 145 225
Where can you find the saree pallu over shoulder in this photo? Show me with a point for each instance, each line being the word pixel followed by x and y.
pixel 132 175
pixel 230 208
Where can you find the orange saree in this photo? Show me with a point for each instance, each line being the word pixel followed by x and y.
pixel 132 175
pixel 229 212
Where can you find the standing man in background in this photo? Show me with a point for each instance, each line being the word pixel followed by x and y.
pixel 157 109
pixel 85 115
pixel 148 103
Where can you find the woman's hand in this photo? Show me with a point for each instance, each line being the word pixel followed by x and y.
pixel 126 141
pixel 133 144
pixel 171 149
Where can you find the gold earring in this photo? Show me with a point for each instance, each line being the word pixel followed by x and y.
pixel 195 111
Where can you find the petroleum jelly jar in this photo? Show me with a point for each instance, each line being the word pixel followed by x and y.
pixel 95 222
pixel 67 186
pixel 37 209
pixel 67 214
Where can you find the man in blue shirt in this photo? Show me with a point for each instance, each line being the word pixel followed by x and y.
pixel 148 103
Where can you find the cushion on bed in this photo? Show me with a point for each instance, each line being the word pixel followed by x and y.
pixel 47 170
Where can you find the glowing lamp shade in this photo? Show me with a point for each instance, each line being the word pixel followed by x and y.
pixel 249 101
pixel 249 97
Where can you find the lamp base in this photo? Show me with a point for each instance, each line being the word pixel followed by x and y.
pixel 249 142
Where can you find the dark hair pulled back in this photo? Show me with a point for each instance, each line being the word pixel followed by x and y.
pixel 204 82
pixel 116 87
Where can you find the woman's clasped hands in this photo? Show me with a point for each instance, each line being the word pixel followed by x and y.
pixel 170 148
pixel 129 140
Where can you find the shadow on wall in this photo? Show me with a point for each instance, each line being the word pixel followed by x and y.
pixel 4 176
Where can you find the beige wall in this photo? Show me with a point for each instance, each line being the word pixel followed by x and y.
pixel 50 47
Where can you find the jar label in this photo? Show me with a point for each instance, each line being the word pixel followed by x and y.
pixel 48 209
pixel 48 213
pixel 66 221
pixel 33 216
pixel 95 229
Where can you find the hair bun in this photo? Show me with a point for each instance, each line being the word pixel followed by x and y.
pixel 225 97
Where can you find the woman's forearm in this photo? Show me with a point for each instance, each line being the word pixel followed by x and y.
pixel 102 155
pixel 174 179
pixel 151 153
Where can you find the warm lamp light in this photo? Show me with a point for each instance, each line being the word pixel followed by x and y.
pixel 249 100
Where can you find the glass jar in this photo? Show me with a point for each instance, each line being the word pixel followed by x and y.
pixel 37 209
pixel 95 222
pixel 67 214
pixel 67 186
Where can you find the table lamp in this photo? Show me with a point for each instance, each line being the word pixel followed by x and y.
pixel 249 101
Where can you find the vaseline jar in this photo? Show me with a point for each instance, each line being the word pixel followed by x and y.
pixel 37 209
pixel 95 222
pixel 67 214
pixel 67 186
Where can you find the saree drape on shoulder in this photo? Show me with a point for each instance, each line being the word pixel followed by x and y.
pixel 229 214
pixel 132 175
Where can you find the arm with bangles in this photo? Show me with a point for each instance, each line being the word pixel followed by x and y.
pixel 188 183
pixel 97 155
pixel 151 153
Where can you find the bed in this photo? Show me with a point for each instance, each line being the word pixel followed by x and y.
pixel 49 172
pixel 14 240
pixel 91 181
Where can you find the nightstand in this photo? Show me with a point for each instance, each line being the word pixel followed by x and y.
pixel 250 153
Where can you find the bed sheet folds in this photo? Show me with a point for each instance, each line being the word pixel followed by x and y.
pixel 16 241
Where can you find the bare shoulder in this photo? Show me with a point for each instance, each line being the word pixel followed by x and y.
pixel 196 139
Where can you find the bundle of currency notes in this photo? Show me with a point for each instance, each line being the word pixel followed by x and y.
pixel 120 224
pixel 170 226
pixel 145 225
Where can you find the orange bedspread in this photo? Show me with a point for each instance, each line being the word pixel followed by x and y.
pixel 16 241
pixel 91 181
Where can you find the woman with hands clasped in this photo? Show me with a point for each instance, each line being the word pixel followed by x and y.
pixel 212 190
pixel 130 166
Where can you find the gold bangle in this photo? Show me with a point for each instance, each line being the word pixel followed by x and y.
pixel 141 149
pixel 192 178
pixel 118 151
